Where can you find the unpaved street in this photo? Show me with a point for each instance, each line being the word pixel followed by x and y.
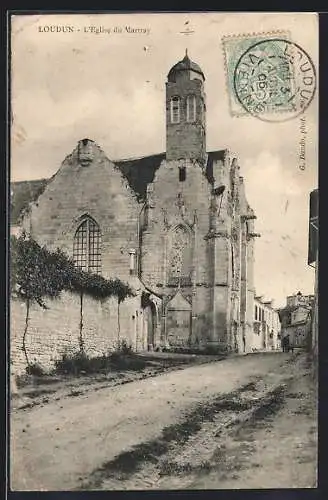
pixel 245 422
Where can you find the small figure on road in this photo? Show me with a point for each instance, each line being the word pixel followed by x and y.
pixel 285 344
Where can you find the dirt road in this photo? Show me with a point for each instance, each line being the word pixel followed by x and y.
pixel 229 424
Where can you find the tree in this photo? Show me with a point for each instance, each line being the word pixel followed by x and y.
pixel 33 276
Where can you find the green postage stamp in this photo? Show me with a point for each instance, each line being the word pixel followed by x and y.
pixel 268 76
pixel 234 47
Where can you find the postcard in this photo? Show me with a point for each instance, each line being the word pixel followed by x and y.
pixel 164 251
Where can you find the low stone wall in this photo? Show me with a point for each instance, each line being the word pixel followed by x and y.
pixel 55 330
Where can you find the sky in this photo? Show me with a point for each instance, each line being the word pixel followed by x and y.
pixel 110 87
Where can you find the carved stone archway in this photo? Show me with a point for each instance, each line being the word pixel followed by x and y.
pixel 178 321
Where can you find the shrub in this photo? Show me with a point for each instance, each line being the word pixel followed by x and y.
pixel 213 349
pixel 123 362
pixel 72 363
pixel 35 369
pixel 123 347
pixel 79 363
pixel 176 349
pixel 22 380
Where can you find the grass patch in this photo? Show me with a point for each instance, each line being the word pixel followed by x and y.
pixel 128 462
pixel 295 395
pixel 75 393
pixel 168 468
pixel 131 461
pixel 251 386
pixel 39 392
pixel 117 362
pixel 264 410
pixel 81 364
pixel 271 404
pixel 303 410
pixel 25 380
pixel 35 369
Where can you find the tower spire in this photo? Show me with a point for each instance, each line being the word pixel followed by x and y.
pixel 185 112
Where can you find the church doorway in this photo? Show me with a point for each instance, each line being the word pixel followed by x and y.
pixel 178 321
pixel 150 320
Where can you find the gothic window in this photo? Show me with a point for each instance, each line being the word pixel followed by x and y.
pixel 86 248
pixel 191 108
pixel 180 258
pixel 175 109
pixel 182 174
pixel 255 313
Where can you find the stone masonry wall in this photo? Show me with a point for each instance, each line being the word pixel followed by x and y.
pixel 195 197
pixel 223 277
pixel 167 211
pixel 98 190
pixel 55 330
pixel 185 140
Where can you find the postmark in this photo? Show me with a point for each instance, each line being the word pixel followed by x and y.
pixel 234 46
pixel 274 80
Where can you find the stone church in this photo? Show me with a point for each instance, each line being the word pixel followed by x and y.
pixel 176 226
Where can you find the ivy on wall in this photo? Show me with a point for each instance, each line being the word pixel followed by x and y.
pixel 38 274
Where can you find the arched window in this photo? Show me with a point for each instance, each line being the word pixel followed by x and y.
pixel 191 108
pixel 180 258
pixel 87 246
pixel 175 109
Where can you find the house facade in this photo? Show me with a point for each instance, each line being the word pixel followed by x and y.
pixel 266 326
pixel 313 261
pixel 296 319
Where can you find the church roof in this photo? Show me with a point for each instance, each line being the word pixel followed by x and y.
pixel 138 171
pixel 23 193
pixel 186 64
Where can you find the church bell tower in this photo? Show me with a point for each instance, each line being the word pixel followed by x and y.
pixel 185 112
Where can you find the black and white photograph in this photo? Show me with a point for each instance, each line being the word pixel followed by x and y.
pixel 163 297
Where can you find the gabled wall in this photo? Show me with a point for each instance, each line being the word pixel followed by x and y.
pixel 96 189
pixel 87 183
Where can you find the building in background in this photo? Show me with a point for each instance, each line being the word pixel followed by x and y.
pixel 313 261
pixel 296 319
pixel 266 326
